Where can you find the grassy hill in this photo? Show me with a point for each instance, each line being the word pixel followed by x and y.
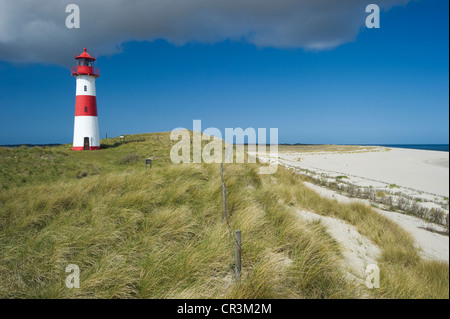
pixel 160 234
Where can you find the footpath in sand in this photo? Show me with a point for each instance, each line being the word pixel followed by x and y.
pixel 357 250
pixel 432 245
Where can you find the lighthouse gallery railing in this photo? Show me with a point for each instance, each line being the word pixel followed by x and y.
pixel 85 70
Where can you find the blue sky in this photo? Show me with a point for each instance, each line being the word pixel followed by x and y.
pixel 387 86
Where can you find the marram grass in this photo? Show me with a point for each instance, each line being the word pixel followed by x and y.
pixel 160 234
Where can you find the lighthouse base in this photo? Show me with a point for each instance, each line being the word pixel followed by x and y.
pixel 81 148
pixel 86 136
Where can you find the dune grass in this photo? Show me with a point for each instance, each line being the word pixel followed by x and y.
pixel 403 273
pixel 160 233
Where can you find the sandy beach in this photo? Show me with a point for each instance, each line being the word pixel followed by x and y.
pixel 424 171
pixel 414 182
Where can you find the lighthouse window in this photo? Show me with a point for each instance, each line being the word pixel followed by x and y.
pixel 85 88
pixel 85 109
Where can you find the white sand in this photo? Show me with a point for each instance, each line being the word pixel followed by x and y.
pixel 425 171
pixel 432 245
pixel 358 251
pixel 418 176
pixel 416 181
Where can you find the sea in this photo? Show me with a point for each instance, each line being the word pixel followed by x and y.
pixel 428 147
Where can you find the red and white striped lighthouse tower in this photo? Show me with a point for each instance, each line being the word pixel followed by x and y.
pixel 85 134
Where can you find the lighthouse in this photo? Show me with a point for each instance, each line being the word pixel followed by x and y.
pixel 85 134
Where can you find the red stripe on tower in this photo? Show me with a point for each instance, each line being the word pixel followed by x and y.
pixel 86 105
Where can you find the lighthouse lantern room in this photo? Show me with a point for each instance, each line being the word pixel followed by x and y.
pixel 86 134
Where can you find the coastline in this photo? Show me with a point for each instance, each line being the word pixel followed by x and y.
pixel 407 186
pixel 425 172
pixel 424 147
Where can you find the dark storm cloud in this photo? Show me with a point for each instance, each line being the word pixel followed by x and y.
pixel 35 31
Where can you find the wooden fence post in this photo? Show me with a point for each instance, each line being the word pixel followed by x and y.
pixel 237 254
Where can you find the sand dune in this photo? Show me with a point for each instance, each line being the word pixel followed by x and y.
pixel 357 250
pixel 432 245
pixel 419 176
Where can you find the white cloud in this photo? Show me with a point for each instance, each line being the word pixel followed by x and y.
pixel 35 31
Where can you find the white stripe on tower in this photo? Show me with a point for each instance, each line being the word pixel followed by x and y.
pixel 85 85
